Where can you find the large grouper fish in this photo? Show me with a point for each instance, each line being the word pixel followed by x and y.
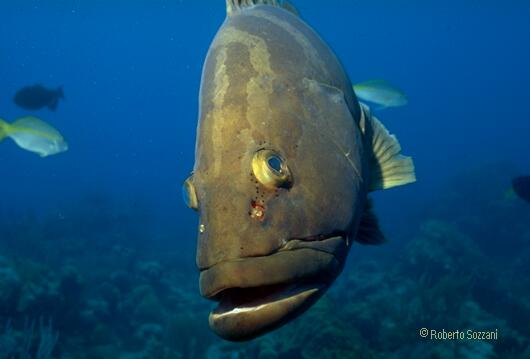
pixel 285 158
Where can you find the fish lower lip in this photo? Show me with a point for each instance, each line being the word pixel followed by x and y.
pixel 241 307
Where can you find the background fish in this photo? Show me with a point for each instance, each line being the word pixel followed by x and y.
pixel 380 92
pixel 34 135
pixel 285 158
pixel 521 186
pixel 37 96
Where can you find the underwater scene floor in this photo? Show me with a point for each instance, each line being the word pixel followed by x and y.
pixel 92 283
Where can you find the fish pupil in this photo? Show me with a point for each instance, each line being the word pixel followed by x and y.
pixel 275 163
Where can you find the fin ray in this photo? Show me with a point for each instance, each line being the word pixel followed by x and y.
pixel 233 6
pixel 389 167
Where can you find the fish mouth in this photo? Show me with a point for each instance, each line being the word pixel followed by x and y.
pixel 258 294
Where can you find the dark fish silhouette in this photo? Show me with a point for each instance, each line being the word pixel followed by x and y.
pixel 521 186
pixel 37 96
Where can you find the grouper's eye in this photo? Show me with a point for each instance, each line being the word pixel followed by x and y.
pixel 189 195
pixel 270 169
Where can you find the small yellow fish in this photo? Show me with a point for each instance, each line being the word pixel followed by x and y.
pixel 34 135
pixel 381 93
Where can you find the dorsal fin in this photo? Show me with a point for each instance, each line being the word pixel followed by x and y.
pixel 233 6
pixel 290 7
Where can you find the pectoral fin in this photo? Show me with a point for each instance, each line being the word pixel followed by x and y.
pixel 369 231
pixel 388 167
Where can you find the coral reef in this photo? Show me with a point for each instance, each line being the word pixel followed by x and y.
pixel 94 276
pixel 26 343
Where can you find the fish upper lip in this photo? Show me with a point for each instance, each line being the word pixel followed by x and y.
pixel 284 246
pixel 317 261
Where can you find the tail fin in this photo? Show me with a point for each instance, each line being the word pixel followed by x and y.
pixel 55 100
pixel 60 93
pixel 3 129
pixel 53 104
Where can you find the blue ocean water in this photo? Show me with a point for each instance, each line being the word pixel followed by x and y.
pixel 131 71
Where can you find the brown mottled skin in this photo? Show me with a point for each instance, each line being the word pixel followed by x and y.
pixel 269 81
